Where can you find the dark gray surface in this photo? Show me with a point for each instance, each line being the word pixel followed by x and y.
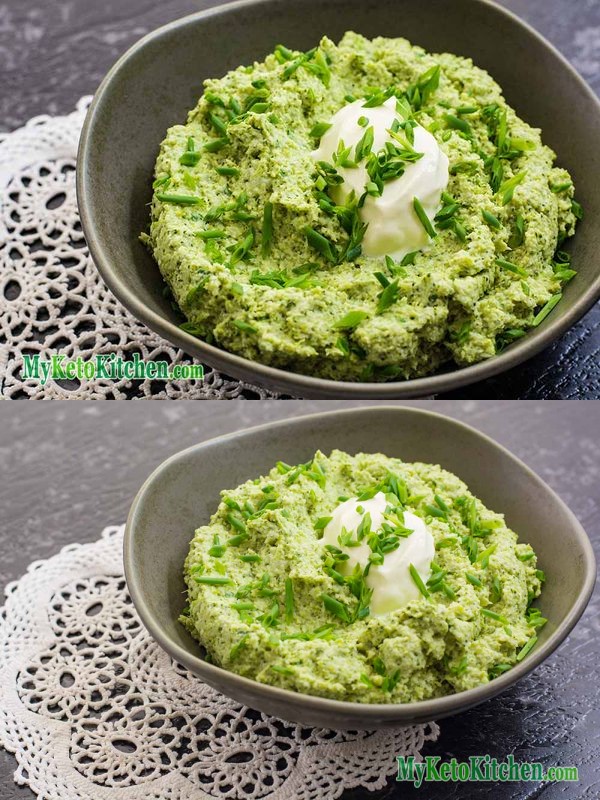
pixel 51 54
pixel 69 469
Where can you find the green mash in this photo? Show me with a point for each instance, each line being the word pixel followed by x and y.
pixel 263 264
pixel 267 600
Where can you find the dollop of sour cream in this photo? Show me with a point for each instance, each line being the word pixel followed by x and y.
pixel 391 582
pixel 394 228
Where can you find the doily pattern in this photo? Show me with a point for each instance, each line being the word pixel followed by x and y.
pixel 93 708
pixel 52 298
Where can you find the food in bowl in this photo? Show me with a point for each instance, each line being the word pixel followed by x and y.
pixel 361 578
pixel 364 212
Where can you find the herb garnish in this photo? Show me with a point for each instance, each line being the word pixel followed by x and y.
pixel 543 313
pixel 179 199
pixel 213 580
pixel 494 615
pixel 212 233
pixel 388 296
pixel 335 607
pixel 267 229
pixel 289 600
pixel 527 648
pixel 418 580
pixel 321 244
pixel 229 171
pixel 423 218
pixel 318 129
pixel 507 189
pixel 491 220
pixel 190 157
pixel 238 646
pixel 510 267
pixel 351 320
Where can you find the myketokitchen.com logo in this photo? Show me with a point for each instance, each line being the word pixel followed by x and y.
pixel 478 769
pixel 110 367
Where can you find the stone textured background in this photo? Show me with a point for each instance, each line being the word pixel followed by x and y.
pixel 69 469
pixel 54 51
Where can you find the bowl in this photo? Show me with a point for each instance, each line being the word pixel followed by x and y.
pixel 184 491
pixel 156 82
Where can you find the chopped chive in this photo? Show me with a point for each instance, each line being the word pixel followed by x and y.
pixel 441 504
pixel 242 249
pixel 498 669
pixel 179 199
pixel 507 189
pixel 447 542
pixel 242 606
pixel 527 648
pixel 508 265
pixel 318 129
pixel 236 523
pixel 457 123
pixel 434 511
pixel 335 607
pixel 216 144
pixel 491 220
pixel 282 53
pixel 282 670
pixel 234 171
pixel 213 580
pixel 363 121
pixel 484 557
pixel 241 325
pixel 409 259
pixel 322 523
pixel 210 234
pixel 267 229
pixel 234 541
pixel 238 646
pixel 473 579
pixel 418 580
pixel 351 320
pixel 364 145
pixel 321 244
pixel 577 209
pixel 561 187
pixel 543 313
pixel 525 556
pixel 250 558
pixel 423 218
pixel 387 297
pixel 496 593
pixel 189 159
pixel 493 615
pixel 289 600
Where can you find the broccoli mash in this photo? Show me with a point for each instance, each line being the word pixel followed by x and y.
pixel 363 211
pixel 361 578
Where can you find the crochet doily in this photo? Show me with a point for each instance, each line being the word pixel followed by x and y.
pixel 52 298
pixel 94 710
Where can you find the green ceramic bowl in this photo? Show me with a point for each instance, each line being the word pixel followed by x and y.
pixel 154 85
pixel 184 491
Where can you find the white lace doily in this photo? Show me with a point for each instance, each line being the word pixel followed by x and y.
pixel 95 710
pixel 51 295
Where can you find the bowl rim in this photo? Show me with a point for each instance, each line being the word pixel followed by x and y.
pixel 287 380
pixel 434 708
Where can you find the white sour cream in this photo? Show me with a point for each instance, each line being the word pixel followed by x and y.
pixel 393 226
pixel 392 583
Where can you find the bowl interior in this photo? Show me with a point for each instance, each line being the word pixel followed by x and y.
pixel 157 83
pixel 184 492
